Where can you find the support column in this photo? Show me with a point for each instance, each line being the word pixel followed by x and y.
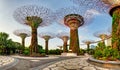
pixel 115 13
pixel 74 41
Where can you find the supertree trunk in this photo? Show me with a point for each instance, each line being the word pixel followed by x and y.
pixel 65 37
pixel 74 40
pixel 34 42
pixel 115 12
pixel 23 42
pixel 46 46
pixel 88 48
pixel 65 49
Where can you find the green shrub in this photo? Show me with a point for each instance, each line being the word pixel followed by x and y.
pixel 26 51
pixel 98 54
pixel 82 51
pixel 41 51
pixel 106 53
pixel 56 51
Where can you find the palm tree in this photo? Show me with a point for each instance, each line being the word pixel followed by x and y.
pixel 3 41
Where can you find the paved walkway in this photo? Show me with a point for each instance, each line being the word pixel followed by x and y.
pixel 36 63
pixel 6 62
pixel 47 63
pixel 74 64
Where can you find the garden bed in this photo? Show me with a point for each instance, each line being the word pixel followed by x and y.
pixel 105 63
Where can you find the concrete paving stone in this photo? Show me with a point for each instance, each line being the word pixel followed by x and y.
pixel 46 69
pixel 4 60
pixel 71 64
pixel 51 66
pixel 75 64
pixel 59 65
pixel 100 68
pixel 91 65
pixel 60 62
pixel 84 64
pixel 89 68
pixel 72 67
pixel 58 68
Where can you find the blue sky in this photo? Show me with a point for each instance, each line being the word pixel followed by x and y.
pixel 8 23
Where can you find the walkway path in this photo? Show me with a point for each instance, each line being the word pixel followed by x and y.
pixel 75 64
pixel 6 62
pixel 38 63
pixel 53 63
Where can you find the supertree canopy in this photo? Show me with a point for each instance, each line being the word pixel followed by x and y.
pixel 23 33
pixel 74 17
pixel 46 36
pixel 88 42
pixel 33 16
pixel 102 35
pixel 101 5
pixel 65 37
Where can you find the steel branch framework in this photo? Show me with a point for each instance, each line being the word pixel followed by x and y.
pixel 44 13
pixel 22 31
pixel 100 5
pixel 88 15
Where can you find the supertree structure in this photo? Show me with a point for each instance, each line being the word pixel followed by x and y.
pixel 23 33
pixel 60 47
pixel 73 17
pixel 102 35
pixel 46 36
pixel 65 37
pixel 114 10
pixel 33 16
pixel 88 42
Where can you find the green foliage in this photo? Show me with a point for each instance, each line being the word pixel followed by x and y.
pixel 56 51
pixel 40 49
pixel 26 51
pixel 106 52
pixel 116 29
pixel 91 51
pixel 82 51
pixel 7 46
